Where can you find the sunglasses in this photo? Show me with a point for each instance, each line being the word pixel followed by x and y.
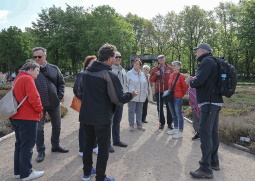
pixel 118 57
pixel 35 57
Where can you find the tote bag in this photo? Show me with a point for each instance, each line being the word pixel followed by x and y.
pixel 9 105
pixel 76 104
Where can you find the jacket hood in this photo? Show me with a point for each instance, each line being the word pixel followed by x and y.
pixel 22 72
pixel 98 66
pixel 203 56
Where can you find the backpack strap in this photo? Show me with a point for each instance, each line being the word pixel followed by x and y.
pixel 13 85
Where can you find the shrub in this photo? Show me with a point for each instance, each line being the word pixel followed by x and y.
pixel 64 111
pixel 230 132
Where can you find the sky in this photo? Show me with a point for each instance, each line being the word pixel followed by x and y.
pixel 21 13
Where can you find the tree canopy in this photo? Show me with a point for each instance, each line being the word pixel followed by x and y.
pixel 72 34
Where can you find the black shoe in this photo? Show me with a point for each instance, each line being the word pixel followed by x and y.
pixel 201 174
pixel 145 121
pixel 215 167
pixel 196 137
pixel 161 127
pixel 59 149
pixel 40 156
pixel 120 144
pixel 111 150
pixel 170 127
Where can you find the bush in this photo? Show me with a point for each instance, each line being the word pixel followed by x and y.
pixel 230 132
pixel 64 111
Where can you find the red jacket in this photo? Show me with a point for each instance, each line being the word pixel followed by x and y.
pixel 161 84
pixel 181 87
pixel 31 109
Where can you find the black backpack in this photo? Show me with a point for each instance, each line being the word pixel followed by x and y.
pixel 227 78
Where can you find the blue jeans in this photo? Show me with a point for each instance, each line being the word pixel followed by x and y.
pixel 161 116
pixel 55 117
pixel 82 139
pixel 176 112
pixel 135 108
pixel 117 116
pixel 209 136
pixel 25 132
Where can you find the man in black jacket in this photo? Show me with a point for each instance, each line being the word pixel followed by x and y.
pixel 210 104
pixel 100 91
pixel 51 86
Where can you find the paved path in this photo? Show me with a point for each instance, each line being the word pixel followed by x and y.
pixel 150 156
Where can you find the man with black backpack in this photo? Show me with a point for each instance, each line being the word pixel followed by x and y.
pixel 210 103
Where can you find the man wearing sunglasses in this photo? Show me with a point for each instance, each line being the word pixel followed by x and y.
pixel 51 85
pixel 121 73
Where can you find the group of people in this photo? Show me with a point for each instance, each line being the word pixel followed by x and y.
pixel 103 86
pixel 4 77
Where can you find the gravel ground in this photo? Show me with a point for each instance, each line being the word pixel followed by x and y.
pixel 150 156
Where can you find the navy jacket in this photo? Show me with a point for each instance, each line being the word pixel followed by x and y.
pixel 51 86
pixel 100 90
pixel 206 80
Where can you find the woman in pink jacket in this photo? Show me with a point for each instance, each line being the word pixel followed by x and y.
pixel 26 120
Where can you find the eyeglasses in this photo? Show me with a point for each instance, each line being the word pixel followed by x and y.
pixel 118 57
pixel 35 57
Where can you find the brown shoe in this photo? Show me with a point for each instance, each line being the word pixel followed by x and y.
pixel 201 174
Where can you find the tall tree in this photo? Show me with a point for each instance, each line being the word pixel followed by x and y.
pixel 197 25
pixel 15 48
pixel 247 34
pixel 105 25
pixel 46 29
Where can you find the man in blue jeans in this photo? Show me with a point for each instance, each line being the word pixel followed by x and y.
pixel 210 104
pixel 100 91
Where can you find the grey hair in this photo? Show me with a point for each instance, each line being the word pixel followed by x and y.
pixel 40 48
pixel 118 52
pixel 146 66
pixel 206 51
pixel 30 64
pixel 177 62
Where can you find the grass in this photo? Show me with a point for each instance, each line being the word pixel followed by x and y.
pixel 237 117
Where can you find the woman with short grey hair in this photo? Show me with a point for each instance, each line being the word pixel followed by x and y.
pixel 25 122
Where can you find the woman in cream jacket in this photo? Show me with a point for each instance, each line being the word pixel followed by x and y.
pixel 137 81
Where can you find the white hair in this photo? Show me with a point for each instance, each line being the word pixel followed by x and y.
pixel 146 66
pixel 177 62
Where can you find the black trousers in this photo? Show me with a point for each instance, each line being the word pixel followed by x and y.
pixel 161 116
pixel 145 107
pixel 103 134
pixel 209 136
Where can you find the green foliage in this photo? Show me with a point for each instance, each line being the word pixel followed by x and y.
pixel 72 34
pixel 15 47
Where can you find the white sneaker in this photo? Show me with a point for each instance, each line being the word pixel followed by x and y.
pixel 95 150
pixel 17 176
pixel 81 154
pixel 141 128
pixel 177 135
pixel 131 128
pixel 35 174
pixel 173 131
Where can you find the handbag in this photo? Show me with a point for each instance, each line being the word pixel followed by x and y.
pixel 76 104
pixel 9 105
pixel 168 95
